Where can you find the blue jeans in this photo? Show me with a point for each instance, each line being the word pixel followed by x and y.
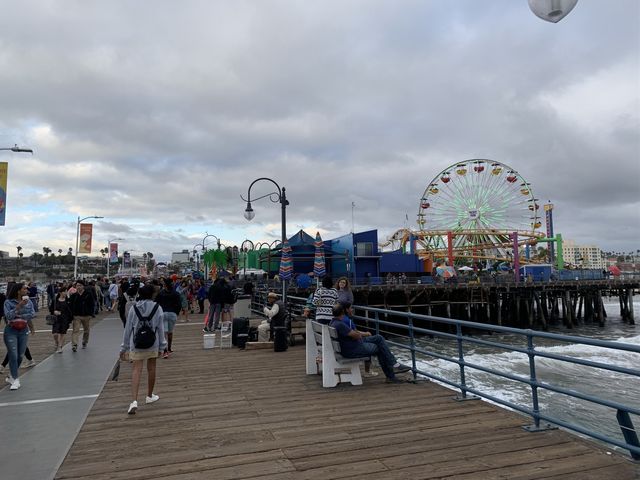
pixel 376 345
pixel 107 301
pixel 215 310
pixel 16 343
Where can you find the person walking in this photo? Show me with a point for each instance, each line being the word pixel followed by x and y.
pixel 145 308
pixel 82 307
pixel 171 305
pixel 183 290
pixel 201 294
pixel 113 295
pixel 18 313
pixel 61 309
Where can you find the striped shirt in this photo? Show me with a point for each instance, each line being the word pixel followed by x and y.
pixel 324 299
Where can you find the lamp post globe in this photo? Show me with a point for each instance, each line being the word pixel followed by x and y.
pixel 249 214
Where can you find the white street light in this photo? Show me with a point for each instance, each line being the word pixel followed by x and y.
pixel 552 10
pixel 75 266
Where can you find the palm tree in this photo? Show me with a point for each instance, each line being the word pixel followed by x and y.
pixel 19 248
pixel 150 263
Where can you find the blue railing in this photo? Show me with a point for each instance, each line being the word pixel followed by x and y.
pixel 405 338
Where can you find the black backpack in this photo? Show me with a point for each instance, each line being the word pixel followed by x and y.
pixel 145 336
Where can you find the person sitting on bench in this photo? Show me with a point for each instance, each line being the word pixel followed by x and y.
pixel 276 312
pixel 354 343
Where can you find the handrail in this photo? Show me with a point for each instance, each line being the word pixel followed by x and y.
pixel 374 319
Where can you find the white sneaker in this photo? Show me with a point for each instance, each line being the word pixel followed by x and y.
pixel 15 385
pixel 9 379
pixel 133 406
pixel 30 363
pixel 59 350
pixel 152 398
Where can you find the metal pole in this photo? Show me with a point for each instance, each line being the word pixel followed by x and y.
pixel 75 265
pixel 283 201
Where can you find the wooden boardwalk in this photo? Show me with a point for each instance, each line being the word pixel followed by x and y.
pixel 231 414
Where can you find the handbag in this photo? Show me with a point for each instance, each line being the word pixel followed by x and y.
pixel 18 324
pixel 50 319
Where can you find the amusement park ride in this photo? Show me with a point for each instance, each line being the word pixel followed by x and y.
pixel 478 210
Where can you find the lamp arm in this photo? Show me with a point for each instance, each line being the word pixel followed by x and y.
pixel 279 193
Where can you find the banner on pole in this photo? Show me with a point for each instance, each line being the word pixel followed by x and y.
pixel 4 167
pixel 126 260
pixel 86 231
pixel 113 253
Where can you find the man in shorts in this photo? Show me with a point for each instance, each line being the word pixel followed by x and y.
pixel 171 305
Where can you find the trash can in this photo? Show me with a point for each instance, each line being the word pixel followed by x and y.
pixel 209 340
pixel 280 343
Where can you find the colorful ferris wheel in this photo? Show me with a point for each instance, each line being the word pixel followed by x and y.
pixel 479 203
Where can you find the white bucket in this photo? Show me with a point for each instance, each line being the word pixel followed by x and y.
pixel 209 340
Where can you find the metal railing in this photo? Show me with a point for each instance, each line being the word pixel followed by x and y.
pixel 403 334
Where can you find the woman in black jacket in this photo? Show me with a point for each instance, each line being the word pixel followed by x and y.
pixel 61 309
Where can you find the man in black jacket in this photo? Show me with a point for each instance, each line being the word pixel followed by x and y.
pixel 82 306
pixel 219 295
pixel 171 305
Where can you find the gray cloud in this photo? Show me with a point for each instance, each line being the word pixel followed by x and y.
pixel 160 118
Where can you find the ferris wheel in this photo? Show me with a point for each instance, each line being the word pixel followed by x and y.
pixel 479 203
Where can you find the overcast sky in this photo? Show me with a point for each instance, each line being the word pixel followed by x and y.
pixel 158 115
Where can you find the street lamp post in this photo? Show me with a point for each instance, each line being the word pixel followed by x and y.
pixel 17 149
pixel 109 252
pixel 204 249
pixel 280 197
pixel 244 251
pixel 75 266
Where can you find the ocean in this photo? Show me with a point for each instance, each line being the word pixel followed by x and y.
pixel 604 384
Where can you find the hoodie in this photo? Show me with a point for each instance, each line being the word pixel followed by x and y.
pixel 145 307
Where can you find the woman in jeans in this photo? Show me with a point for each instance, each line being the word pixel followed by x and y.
pixel 18 311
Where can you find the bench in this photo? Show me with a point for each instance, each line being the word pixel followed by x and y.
pixel 335 368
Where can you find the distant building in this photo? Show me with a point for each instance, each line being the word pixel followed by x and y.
pixel 4 254
pixel 180 257
pixel 584 256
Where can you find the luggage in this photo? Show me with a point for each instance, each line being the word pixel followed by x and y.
pixel 240 326
pixel 280 340
pixel 242 340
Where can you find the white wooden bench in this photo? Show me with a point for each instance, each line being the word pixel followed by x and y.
pixel 335 368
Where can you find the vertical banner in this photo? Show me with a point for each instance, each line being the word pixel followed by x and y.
pixel 4 168
pixel 86 231
pixel 548 213
pixel 113 253
pixel 126 260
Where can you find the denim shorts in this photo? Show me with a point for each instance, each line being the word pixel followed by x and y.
pixel 169 319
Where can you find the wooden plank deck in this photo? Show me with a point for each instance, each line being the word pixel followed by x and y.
pixel 231 414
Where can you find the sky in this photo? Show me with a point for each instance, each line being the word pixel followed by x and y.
pixel 158 115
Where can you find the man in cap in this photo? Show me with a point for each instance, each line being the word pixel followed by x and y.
pixel 276 312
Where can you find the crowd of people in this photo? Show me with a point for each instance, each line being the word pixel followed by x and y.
pixel 156 306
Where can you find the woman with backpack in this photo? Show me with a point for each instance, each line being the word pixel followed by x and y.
pixel 143 340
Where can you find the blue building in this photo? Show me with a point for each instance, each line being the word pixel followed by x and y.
pixel 354 255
